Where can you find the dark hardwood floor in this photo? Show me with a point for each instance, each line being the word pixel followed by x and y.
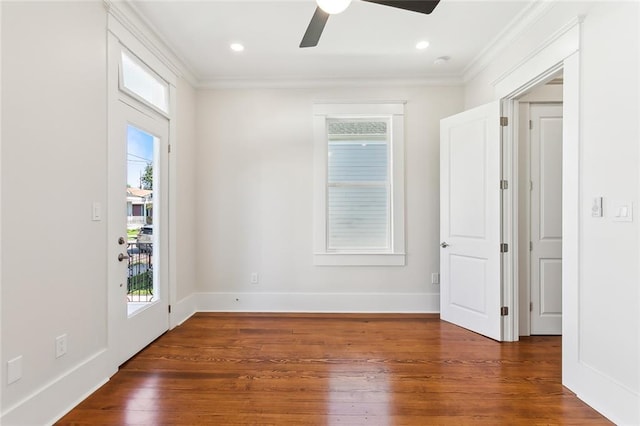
pixel 245 369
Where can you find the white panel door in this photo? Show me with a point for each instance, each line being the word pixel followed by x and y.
pixel 546 219
pixel 470 218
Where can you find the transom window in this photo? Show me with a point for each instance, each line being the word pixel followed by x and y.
pixel 140 82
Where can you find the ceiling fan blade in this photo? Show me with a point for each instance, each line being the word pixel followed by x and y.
pixel 314 30
pixel 419 6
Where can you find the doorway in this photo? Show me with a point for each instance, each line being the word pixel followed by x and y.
pixel 539 135
pixel 138 206
pixel 483 236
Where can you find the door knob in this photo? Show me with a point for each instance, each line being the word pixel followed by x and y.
pixel 444 244
pixel 122 257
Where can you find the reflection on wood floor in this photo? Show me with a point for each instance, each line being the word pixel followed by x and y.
pixel 274 369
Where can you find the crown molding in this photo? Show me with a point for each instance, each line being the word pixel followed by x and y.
pixel 124 12
pixel 525 19
pixel 127 14
pixel 571 45
pixel 313 83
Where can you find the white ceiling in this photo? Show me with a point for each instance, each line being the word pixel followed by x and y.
pixel 367 41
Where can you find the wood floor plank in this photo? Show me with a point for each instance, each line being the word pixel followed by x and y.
pixel 271 369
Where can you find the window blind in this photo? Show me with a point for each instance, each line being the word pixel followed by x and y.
pixel 358 199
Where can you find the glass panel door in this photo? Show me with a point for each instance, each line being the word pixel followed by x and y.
pixel 142 281
pixel 138 229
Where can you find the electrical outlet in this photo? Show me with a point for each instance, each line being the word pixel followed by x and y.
pixel 61 345
pixel 435 278
pixel 14 370
pixel 254 278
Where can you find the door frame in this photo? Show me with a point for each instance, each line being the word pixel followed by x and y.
pixel 511 172
pixel 563 53
pixel 119 35
pixel 569 64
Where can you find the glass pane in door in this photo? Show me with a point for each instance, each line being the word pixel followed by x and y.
pixel 141 248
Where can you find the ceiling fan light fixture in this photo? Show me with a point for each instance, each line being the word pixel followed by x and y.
pixel 333 7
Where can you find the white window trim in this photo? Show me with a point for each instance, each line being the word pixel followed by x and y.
pixel 390 109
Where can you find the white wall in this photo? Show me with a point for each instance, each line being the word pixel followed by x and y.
pixel 53 168
pixel 183 153
pixel 609 328
pixel 255 204
pixel 606 373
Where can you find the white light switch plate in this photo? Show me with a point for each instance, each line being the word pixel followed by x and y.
pixel 96 211
pixel 622 211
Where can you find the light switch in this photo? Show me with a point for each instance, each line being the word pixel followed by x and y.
pixel 96 211
pixel 623 211
pixel 596 207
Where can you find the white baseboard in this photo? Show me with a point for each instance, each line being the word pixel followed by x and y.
pixel 318 302
pixel 52 401
pixel 182 311
pixel 613 400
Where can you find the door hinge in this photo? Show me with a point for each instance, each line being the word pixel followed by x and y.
pixel 504 121
pixel 504 184
pixel 504 248
pixel 504 311
pixel 530 306
pixel 169 308
pixel 530 125
pixel 530 245
pixel 530 185
pixel 169 148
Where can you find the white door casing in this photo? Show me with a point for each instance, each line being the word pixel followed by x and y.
pixel 546 218
pixel 470 220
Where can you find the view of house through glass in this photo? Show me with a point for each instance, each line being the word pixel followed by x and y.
pixel 141 279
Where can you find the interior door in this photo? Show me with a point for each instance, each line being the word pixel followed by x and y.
pixel 470 220
pixel 137 228
pixel 546 218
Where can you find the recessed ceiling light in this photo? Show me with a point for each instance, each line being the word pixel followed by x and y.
pixel 422 45
pixel 441 60
pixel 236 47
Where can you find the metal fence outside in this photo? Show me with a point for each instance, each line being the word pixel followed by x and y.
pixel 140 277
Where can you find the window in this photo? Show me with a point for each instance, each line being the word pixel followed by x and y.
pixel 358 184
pixel 143 84
pixel 359 190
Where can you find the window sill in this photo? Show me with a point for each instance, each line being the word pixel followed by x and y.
pixel 359 259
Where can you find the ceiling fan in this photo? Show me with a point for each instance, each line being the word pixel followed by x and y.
pixel 332 7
